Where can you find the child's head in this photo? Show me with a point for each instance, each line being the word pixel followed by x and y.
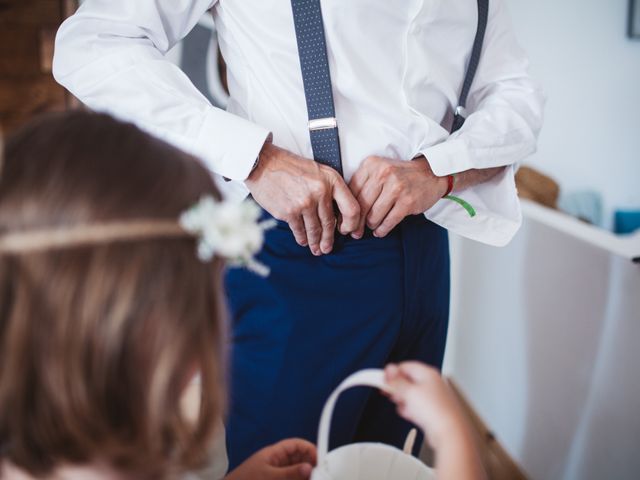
pixel 98 341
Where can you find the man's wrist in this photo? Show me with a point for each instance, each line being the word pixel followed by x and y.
pixel 451 183
pixel 442 183
pixel 260 159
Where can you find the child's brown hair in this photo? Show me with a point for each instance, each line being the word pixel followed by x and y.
pixel 97 342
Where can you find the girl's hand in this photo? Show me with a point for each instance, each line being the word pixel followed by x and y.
pixel 291 459
pixel 423 397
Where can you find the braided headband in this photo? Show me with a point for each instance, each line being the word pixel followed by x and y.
pixel 86 235
pixel 230 230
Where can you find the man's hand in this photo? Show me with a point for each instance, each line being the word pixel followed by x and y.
pixel 291 459
pixel 302 193
pixel 389 190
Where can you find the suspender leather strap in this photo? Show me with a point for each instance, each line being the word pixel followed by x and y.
pixel 460 112
pixel 316 77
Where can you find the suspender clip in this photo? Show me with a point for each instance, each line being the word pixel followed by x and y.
pixel 461 111
pixel 322 123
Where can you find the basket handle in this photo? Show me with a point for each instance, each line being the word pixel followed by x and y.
pixel 364 378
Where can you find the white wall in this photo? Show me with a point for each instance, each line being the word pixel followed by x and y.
pixel 544 344
pixel 591 72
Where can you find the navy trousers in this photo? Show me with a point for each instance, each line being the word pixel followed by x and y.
pixel 298 333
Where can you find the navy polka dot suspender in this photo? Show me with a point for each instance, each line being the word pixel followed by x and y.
pixel 316 78
pixel 460 113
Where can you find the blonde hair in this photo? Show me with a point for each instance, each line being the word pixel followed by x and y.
pixel 98 341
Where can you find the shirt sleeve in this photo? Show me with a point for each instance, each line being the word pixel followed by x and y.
pixel 506 108
pixel 110 55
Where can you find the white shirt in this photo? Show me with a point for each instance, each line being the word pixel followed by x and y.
pixel 397 68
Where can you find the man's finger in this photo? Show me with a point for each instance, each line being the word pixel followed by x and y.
pixel 348 206
pixel 380 208
pixel 393 218
pixel 313 229
pixel 328 222
pixel 358 180
pixel 297 227
pixel 367 197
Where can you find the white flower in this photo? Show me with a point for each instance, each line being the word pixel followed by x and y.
pixel 228 229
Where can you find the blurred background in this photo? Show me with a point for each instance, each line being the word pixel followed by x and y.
pixel 544 333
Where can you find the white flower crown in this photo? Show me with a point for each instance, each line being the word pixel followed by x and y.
pixel 228 229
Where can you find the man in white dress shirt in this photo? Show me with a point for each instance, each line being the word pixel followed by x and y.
pixel 378 292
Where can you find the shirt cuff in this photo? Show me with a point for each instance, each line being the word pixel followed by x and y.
pixel 448 157
pixel 498 214
pixel 229 144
